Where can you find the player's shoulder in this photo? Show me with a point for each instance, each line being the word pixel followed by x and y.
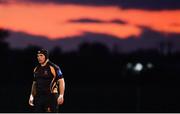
pixel 35 68
pixel 51 64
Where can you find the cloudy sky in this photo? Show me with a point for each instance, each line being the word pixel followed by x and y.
pixel 58 19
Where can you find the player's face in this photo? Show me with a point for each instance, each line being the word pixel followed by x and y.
pixel 41 58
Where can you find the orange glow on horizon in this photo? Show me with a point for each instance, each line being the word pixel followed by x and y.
pixel 53 21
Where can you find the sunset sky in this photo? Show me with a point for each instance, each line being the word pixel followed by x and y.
pixel 58 19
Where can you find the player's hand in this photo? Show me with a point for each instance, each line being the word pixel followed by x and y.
pixel 60 99
pixel 31 98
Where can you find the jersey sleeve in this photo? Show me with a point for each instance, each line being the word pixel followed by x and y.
pixel 34 74
pixel 57 70
pixel 59 74
pixel 34 78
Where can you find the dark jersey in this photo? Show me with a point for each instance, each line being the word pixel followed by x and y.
pixel 46 78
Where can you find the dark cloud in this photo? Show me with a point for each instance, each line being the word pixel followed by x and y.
pixel 86 20
pixel 135 4
pixel 117 21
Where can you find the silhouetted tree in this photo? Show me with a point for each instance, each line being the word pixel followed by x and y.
pixel 4 49
pixel 166 47
pixel 84 49
pixel 55 53
pixel 93 49
pixel 99 49
pixel 3 44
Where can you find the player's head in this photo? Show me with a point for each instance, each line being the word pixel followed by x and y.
pixel 42 56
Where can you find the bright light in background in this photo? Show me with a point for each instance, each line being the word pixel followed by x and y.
pixel 54 20
pixel 149 65
pixel 129 65
pixel 138 67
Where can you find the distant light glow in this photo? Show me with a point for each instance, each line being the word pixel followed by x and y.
pixel 129 65
pixel 149 65
pixel 138 67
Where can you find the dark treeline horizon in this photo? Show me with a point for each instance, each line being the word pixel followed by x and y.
pixel 97 79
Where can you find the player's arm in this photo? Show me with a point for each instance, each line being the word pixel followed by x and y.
pixel 33 89
pixel 61 91
pixel 33 92
pixel 61 86
pixel 58 74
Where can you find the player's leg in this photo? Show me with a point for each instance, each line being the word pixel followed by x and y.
pixel 38 104
pixel 53 103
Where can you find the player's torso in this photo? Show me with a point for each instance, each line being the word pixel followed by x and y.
pixel 44 78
